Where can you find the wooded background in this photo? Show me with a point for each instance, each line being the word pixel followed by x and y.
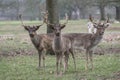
pixel 77 9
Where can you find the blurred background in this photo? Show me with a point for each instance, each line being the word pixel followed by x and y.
pixel 76 9
pixel 19 58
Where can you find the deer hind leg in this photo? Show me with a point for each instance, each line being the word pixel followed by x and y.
pixel 72 53
pixel 86 65
pixel 43 57
pixel 91 59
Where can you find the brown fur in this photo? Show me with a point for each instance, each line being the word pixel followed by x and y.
pixel 87 41
pixel 61 46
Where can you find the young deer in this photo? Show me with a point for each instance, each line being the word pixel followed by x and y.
pixel 88 41
pixel 41 41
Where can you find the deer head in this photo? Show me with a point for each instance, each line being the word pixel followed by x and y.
pixel 100 26
pixel 31 29
pixel 57 27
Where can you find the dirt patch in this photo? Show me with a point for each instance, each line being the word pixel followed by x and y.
pixel 100 50
pixel 114 76
pixel 17 52
pixel 114 28
pixel 111 37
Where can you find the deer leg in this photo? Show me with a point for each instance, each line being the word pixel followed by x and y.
pixel 43 57
pixel 39 59
pixel 91 61
pixel 72 53
pixel 61 64
pixel 57 62
pixel 86 66
pixel 66 57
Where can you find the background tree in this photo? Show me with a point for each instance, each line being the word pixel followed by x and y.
pixel 101 4
pixel 116 4
pixel 31 9
pixel 53 15
pixel 117 9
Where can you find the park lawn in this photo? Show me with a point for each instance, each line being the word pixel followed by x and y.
pixel 25 68
pixel 14 27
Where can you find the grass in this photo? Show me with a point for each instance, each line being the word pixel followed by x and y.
pixel 24 67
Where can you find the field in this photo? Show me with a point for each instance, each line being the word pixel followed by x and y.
pixel 19 58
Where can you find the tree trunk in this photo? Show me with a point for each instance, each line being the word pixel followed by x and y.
pixel 117 13
pixel 102 12
pixel 53 16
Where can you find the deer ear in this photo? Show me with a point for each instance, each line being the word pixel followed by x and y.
pixel 37 27
pixel 52 27
pixel 61 27
pixel 107 25
pixel 26 27
pixel 95 25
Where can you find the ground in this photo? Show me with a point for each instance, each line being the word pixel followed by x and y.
pixel 19 58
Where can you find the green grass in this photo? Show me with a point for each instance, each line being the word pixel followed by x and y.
pixel 14 27
pixel 24 67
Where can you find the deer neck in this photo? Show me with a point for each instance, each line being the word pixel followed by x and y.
pixel 35 40
pixel 57 43
pixel 96 38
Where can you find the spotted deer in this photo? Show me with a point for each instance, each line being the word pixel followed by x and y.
pixel 88 41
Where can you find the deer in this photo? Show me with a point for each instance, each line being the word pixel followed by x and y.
pixel 61 46
pixel 42 42
pixel 89 40
pixel 90 25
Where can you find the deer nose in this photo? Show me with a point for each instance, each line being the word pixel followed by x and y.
pixel 31 34
pixel 102 33
pixel 57 34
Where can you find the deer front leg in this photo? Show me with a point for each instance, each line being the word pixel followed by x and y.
pixel 39 66
pixel 57 62
pixel 72 53
pixel 66 57
pixel 61 57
